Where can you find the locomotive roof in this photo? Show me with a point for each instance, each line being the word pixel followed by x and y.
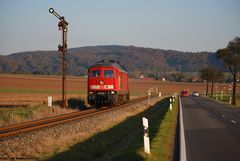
pixel 111 63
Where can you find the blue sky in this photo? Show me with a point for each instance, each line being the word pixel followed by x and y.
pixel 184 25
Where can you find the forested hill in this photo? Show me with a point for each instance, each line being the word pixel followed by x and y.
pixel 137 60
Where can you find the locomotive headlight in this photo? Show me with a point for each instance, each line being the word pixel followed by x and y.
pixel 112 92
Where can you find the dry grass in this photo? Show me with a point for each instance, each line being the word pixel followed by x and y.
pixel 22 114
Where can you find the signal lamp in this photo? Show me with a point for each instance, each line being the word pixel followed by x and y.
pixel 51 10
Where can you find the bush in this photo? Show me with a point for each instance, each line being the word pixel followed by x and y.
pixel 76 103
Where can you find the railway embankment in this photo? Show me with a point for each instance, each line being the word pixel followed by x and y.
pixel 43 143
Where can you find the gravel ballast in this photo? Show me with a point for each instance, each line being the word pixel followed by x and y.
pixel 42 143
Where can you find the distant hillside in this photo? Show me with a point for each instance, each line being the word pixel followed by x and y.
pixel 137 60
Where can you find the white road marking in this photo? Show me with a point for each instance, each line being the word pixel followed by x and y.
pixel 182 134
pixel 233 121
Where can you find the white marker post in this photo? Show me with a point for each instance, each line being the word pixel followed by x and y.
pixel 149 94
pixel 50 104
pixel 170 104
pixel 222 95
pixel 146 136
pixel 173 98
pixel 49 101
pixel 160 94
pixel 216 87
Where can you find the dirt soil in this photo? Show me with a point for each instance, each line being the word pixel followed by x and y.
pixel 27 89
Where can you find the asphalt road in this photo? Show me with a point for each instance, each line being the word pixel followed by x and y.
pixel 212 130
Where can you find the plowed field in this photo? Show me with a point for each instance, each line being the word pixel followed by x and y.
pixel 27 89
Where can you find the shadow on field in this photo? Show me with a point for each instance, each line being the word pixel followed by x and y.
pixel 121 142
pixel 73 103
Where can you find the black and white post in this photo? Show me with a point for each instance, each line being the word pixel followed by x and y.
pixel 170 103
pixel 146 136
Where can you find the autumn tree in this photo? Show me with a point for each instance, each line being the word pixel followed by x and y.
pixel 210 74
pixel 216 75
pixel 231 57
pixel 205 74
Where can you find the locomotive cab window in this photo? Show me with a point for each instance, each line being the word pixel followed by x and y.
pixel 95 73
pixel 108 73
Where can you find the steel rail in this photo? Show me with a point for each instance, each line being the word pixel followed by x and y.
pixel 15 129
pixel 19 126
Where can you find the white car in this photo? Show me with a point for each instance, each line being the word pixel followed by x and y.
pixel 195 94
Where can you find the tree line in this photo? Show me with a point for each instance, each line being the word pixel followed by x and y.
pixel 231 57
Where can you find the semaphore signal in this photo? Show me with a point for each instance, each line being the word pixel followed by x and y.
pixel 62 48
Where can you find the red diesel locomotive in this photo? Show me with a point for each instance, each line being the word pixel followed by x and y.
pixel 107 84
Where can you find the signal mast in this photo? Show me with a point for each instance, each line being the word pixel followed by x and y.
pixel 62 25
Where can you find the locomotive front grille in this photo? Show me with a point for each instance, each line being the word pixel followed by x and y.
pixel 101 93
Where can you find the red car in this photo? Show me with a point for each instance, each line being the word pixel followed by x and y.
pixel 107 83
pixel 184 94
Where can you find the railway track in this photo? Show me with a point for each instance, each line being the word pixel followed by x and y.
pixel 15 129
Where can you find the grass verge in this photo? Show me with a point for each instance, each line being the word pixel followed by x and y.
pixel 11 115
pixel 225 99
pixel 18 114
pixel 162 145
pixel 125 140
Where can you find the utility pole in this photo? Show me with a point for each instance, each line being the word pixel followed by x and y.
pixel 62 48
